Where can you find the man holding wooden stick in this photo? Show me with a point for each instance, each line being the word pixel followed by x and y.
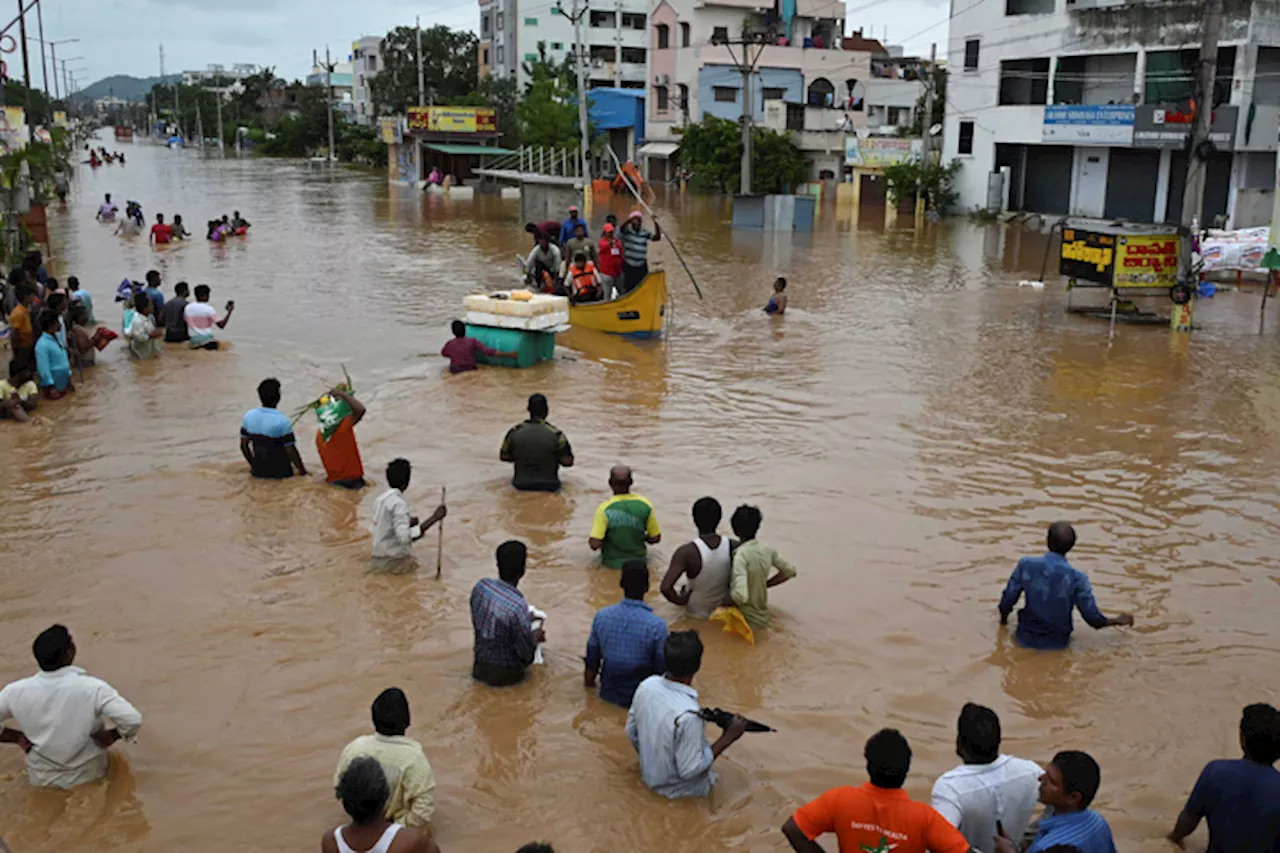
pixel 395 529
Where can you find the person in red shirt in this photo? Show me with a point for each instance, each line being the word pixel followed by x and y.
pixel 879 816
pixel 340 455
pixel 610 259
pixel 161 233
pixel 461 351
pixel 549 227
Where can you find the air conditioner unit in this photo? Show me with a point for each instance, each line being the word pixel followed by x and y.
pixel 661 80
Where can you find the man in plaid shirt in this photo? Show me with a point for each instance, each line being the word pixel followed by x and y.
pixel 505 639
pixel 629 637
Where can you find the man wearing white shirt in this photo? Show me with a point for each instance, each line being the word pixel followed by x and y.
pixel 395 529
pixel 988 787
pixel 61 711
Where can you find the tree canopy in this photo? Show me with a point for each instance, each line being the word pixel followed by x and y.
pixel 547 113
pixel 712 150
pixel 450 68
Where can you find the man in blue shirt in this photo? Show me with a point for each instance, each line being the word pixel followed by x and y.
pixel 1240 797
pixel 505 639
pixel 1054 588
pixel 566 228
pixel 628 637
pixel 266 437
pixel 1067 787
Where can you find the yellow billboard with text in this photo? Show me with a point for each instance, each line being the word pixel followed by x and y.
pixel 453 119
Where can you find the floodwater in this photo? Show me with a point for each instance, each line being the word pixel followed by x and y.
pixel 908 429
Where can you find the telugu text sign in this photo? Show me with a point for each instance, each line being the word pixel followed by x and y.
pixel 453 119
pixel 880 152
pixel 1147 261
pixel 1087 255
pixel 1104 124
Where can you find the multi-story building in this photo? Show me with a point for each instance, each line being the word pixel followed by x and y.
pixel 366 61
pixel 214 73
pixel 342 79
pixel 615 39
pixel 1084 107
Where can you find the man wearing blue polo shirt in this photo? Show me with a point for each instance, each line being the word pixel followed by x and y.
pixel 266 437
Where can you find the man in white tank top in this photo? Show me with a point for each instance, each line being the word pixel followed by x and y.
pixel 706 563
pixel 364 792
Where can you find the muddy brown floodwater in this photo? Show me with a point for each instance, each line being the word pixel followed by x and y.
pixel 908 429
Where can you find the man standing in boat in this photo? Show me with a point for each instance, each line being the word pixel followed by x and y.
pixel 635 251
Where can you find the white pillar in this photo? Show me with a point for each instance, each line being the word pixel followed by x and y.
pixel 1140 78
pixel 1233 186
pixel 1162 186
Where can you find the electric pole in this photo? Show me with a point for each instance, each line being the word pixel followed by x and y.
pixel 221 148
pixel 926 123
pixel 579 61
pixel 44 69
pixel 26 73
pixel 422 84
pixel 1202 120
pixel 328 85
pixel 746 67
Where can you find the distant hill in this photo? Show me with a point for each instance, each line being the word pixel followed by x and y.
pixel 123 86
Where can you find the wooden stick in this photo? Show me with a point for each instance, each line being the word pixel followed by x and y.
pixel 440 536
pixel 672 243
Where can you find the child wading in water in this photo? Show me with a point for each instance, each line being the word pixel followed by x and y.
pixel 778 302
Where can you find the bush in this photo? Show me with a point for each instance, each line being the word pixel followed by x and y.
pixel 935 182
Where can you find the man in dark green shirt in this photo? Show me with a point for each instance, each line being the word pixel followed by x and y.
pixel 537 449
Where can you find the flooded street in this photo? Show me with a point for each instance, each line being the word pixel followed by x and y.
pixel 908 429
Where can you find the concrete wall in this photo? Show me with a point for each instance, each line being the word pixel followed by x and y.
pixel 546 201
pixel 663 62
pixel 711 76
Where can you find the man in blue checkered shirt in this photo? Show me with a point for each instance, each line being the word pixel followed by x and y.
pixel 505 639
pixel 627 639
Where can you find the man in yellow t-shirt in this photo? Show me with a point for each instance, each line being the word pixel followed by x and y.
pixel 625 525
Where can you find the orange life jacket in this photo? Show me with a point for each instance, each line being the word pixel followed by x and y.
pixel 584 280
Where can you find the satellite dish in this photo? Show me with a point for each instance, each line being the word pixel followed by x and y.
pixel 935 130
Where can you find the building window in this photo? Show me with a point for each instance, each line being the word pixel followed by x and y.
pixel 966 138
pixel 664 37
pixel 971 55
pixel 719 35
pixel 684 100
pixel 603 19
pixel 633 54
pixel 633 21
pixel 484 57
pixel 501 58
pixel 725 94
pixel 499 24
pixel 661 93
pixel 684 35
pixel 531 22
pixel 1025 81
pixel 774 93
pixel 484 24
pixel 557 45
pixel 631 84
pixel 821 93
pixel 1029 7
pixel 371 64
pixel 899 116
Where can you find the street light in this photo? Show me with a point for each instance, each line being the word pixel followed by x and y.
pixel 53 51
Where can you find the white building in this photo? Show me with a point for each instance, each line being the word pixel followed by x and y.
pixel 366 61
pixel 1084 107
pixel 615 40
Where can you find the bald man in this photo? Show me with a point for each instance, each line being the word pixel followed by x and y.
pixel 1054 588
pixel 625 525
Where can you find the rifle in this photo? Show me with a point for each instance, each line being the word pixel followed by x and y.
pixel 724 719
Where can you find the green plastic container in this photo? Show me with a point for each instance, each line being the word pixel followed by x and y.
pixel 529 347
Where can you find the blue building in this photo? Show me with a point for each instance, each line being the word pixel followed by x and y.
pixel 619 114
pixel 720 90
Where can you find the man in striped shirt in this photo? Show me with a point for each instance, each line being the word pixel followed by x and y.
pixel 635 251
pixel 505 640
pixel 1068 786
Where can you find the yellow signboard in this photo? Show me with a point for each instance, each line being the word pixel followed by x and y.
pixel 389 130
pixel 1148 261
pixel 453 119
pixel 60 118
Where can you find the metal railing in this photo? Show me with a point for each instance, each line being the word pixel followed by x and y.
pixel 558 161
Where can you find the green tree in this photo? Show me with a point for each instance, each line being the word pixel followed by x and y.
pixel 547 114
pixel 450 68
pixel 935 182
pixel 712 150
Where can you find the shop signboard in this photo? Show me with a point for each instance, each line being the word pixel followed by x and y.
pixel 1088 255
pixel 1088 124
pixel 453 119
pixel 880 151
pixel 1147 261
pixel 1161 127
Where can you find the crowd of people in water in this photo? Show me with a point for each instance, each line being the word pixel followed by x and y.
pixel 100 156
pixel 565 260
pixel 65 720
pixel 134 221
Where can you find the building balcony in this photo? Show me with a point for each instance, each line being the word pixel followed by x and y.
pixel 811 61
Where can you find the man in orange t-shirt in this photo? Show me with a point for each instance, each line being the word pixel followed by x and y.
pixel 340 455
pixel 878 817
pixel 22 332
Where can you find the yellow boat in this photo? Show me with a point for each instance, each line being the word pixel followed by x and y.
pixel 638 314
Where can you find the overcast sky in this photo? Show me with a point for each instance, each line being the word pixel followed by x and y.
pixel 124 36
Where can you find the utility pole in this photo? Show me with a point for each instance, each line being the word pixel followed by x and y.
pixel 53 50
pixel 579 61
pixel 328 85
pixel 26 72
pixel 422 81
pixel 221 147
pixel 44 69
pixel 746 67
pixel 926 123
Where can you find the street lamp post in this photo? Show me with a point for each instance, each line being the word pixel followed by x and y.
pixel 53 52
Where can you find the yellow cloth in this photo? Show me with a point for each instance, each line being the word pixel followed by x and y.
pixel 413 785
pixel 734 623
